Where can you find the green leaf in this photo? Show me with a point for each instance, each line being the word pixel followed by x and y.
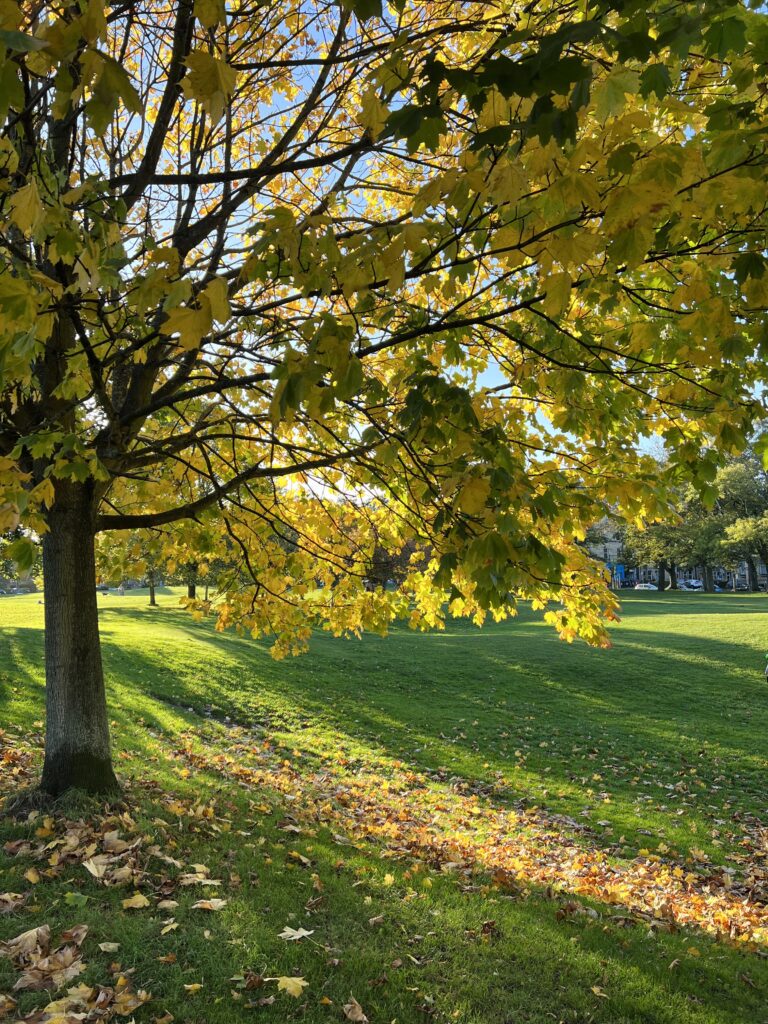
pixel 748 264
pixel 351 381
pixel 363 8
pixel 726 36
pixel 610 95
pixel 112 85
pixel 20 42
pixel 75 899
pixel 23 552
pixel 656 79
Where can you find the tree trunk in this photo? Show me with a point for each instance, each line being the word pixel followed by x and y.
pixel 151 582
pixel 77 753
pixel 673 575
pixel 662 582
pixel 192 581
pixel 752 575
pixel 709 579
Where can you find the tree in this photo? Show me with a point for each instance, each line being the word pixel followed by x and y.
pixel 314 279
pixel 655 543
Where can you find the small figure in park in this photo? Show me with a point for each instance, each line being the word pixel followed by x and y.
pixel 121 592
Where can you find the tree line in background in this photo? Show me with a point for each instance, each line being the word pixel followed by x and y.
pixel 719 533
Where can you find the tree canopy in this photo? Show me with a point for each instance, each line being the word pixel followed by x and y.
pixel 292 282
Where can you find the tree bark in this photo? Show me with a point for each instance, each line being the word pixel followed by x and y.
pixel 151 582
pixel 77 750
pixel 673 575
pixel 752 574
pixel 709 579
pixel 192 581
pixel 662 581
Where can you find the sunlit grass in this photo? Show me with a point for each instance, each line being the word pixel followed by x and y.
pixel 659 744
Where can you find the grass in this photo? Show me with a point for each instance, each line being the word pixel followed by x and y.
pixel 650 755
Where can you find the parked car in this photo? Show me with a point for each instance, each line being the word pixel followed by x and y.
pixel 645 586
pixel 691 585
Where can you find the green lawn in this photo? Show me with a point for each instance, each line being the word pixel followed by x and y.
pixel 653 753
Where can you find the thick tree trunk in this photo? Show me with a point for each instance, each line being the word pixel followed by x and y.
pixel 673 575
pixel 151 582
pixel 662 581
pixel 77 753
pixel 192 581
pixel 709 579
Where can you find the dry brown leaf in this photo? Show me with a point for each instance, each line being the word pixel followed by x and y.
pixel 354 1011
pixel 209 904
pixel 10 901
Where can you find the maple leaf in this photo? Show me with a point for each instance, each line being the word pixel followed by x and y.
pixel 293 986
pixel 294 934
pixel 211 81
pixel 136 902
pixel 27 211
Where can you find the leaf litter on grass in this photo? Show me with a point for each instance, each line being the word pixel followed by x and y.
pixel 403 813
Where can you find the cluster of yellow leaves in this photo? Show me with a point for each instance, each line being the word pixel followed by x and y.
pixel 408 816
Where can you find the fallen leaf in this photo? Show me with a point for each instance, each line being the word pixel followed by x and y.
pixel 354 1011
pixel 97 866
pixel 294 934
pixel 32 875
pixel 194 987
pixel 10 901
pixel 293 986
pixel 209 904
pixel 136 902
pixel 7 1005
pixel 109 947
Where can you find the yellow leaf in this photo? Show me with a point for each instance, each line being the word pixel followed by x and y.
pixel 209 12
pixel 32 875
pixel 44 493
pixel 474 495
pixel 136 902
pixel 26 209
pixel 210 81
pixel 217 295
pixel 293 986
pixel 194 987
pixel 373 113
pixel 557 288
pixel 190 324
